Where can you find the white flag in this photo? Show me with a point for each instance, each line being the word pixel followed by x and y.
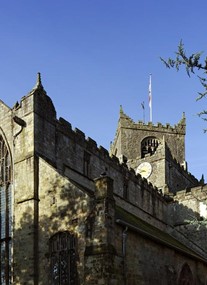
pixel 150 97
pixel 150 92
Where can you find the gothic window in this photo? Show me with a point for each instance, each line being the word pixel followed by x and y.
pixel 186 276
pixel 63 259
pixel 86 163
pixel 149 146
pixel 6 216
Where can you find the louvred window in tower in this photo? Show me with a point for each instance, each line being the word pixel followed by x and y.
pixel 149 146
pixel 63 259
pixel 6 216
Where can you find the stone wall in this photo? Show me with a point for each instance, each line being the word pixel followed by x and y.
pixel 63 207
pixel 148 263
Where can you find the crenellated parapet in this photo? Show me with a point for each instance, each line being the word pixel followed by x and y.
pixel 126 121
pixel 198 193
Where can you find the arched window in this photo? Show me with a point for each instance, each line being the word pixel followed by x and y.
pixel 63 259
pixel 149 146
pixel 6 215
pixel 186 276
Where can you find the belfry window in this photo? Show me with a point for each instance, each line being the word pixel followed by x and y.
pixel 63 259
pixel 6 216
pixel 149 146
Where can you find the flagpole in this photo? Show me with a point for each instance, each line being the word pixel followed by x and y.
pixel 150 96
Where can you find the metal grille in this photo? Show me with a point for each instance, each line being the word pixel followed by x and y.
pixel 5 217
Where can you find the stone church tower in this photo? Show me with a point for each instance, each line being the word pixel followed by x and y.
pixel 156 152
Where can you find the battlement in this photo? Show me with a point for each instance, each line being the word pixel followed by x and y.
pixel 126 121
pixel 88 143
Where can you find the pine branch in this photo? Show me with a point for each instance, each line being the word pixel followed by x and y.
pixel 191 63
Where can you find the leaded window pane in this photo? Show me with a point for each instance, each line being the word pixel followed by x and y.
pixel 5 214
pixel 62 251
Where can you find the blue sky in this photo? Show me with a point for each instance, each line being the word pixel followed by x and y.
pixel 95 55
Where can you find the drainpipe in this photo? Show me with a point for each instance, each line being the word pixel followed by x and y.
pixel 124 239
pixel 19 122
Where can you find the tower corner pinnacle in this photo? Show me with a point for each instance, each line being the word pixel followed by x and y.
pixel 38 84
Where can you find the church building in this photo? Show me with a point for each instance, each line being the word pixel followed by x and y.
pixel 74 213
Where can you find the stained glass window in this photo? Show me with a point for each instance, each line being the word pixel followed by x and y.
pixel 63 265
pixel 5 217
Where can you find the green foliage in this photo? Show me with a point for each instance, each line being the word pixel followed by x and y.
pixel 191 63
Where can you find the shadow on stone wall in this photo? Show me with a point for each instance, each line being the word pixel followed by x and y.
pixel 65 206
